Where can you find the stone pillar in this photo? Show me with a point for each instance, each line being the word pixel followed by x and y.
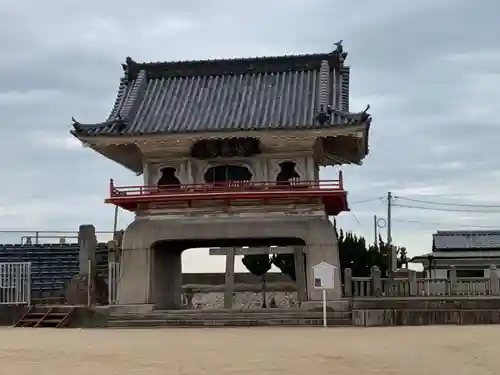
pixel 136 265
pixel 348 282
pixel 135 276
pixel 376 274
pixel 322 246
pixel 494 280
pixel 412 281
pixel 315 255
pixel 87 242
pixel 229 278
pixel 77 292
pixel 452 280
pixel 300 272
pixel 166 288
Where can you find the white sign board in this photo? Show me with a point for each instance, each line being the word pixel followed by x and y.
pixel 324 276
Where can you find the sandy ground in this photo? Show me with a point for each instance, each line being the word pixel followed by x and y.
pixel 428 350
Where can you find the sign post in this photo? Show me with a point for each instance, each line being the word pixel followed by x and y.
pixel 324 278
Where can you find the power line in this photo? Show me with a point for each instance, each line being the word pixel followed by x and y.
pixel 355 218
pixel 448 203
pixel 441 223
pixel 368 200
pixel 446 209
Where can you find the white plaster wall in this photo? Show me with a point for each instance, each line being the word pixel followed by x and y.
pixel 263 168
pixel 304 166
pixel 152 171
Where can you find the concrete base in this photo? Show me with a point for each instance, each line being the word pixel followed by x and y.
pixel 151 265
pixel 125 309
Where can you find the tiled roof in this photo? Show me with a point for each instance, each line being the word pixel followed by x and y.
pixel 457 254
pixel 461 240
pixel 300 92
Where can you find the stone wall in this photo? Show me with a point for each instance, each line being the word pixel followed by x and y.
pixel 242 300
pixel 443 303
pixel 425 311
pixel 372 318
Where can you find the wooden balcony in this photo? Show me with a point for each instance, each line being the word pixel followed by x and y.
pixel 234 193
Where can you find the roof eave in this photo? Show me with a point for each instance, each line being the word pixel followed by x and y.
pixel 124 138
pixel 113 153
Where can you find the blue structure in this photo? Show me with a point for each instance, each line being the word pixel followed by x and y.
pixel 52 265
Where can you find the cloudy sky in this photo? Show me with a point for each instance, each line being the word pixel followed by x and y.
pixel 429 68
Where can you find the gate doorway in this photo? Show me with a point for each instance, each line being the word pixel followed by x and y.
pixel 15 283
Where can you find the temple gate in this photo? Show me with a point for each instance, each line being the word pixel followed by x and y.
pixel 230 152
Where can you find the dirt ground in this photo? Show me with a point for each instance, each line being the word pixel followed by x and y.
pixel 430 350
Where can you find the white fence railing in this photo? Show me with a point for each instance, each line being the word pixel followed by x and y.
pixel 15 283
pixel 113 281
pixel 413 286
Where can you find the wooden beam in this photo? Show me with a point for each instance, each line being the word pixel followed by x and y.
pixel 252 250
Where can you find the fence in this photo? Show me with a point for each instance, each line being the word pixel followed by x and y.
pixel 15 283
pixel 113 281
pixel 411 286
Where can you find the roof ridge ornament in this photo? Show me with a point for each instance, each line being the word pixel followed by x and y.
pixel 128 63
pixel 362 116
pixel 339 50
pixel 79 127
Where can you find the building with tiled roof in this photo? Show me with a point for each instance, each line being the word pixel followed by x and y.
pixel 471 252
pixel 230 152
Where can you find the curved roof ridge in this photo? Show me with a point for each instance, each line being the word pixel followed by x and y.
pixel 120 98
pixel 234 66
pixel 478 232
pixel 130 103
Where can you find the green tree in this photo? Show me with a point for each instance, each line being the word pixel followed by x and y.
pixel 354 254
pixel 401 255
pixel 259 265
pixel 286 264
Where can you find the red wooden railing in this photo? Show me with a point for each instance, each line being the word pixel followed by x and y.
pixel 229 187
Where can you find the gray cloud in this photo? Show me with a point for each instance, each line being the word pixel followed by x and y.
pixel 429 69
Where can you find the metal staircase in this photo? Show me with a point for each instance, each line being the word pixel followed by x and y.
pixel 46 316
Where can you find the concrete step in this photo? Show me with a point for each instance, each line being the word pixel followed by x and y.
pixel 228 316
pixel 240 322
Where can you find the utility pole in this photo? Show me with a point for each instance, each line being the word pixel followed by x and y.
pixel 389 221
pixel 392 249
pixel 375 231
